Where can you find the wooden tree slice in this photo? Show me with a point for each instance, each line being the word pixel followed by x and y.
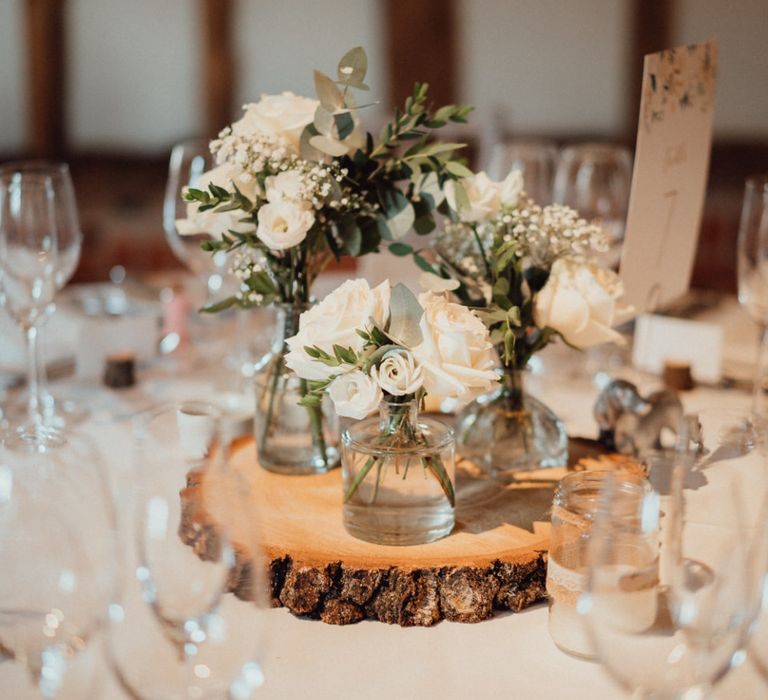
pixel 495 559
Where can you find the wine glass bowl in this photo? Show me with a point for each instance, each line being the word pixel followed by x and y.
pixel 40 242
pixel 189 161
pixel 752 256
pixel 595 179
pixel 753 250
pixel 536 159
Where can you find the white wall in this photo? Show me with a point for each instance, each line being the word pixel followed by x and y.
pixel 132 73
pixel 12 99
pixel 741 26
pixel 545 66
pixel 279 43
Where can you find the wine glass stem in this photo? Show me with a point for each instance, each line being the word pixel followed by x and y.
pixel 759 397
pixel 34 378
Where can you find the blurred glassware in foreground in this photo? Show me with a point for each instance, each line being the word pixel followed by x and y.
pixel 40 241
pixel 536 159
pixel 59 560
pixel 595 179
pixel 753 277
pixel 671 590
pixel 188 626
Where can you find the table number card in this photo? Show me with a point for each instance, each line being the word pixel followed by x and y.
pixel 674 141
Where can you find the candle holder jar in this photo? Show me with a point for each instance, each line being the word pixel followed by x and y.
pixel 573 511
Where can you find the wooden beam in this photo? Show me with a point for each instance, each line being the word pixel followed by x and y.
pixel 421 42
pixel 218 67
pixel 45 77
pixel 650 31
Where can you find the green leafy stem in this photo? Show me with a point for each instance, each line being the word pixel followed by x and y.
pixel 401 433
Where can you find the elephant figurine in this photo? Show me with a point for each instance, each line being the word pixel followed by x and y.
pixel 632 424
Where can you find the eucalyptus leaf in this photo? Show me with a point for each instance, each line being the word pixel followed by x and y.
pixel 402 222
pixel 400 249
pixel 328 92
pixel 345 124
pixel 353 66
pixel 324 121
pixel 328 146
pixel 306 149
pixel 405 314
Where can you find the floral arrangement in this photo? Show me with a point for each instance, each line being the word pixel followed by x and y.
pixel 362 346
pixel 298 183
pixel 529 268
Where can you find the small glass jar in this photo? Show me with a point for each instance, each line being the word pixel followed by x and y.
pixel 398 472
pixel 507 430
pixel 573 510
pixel 291 438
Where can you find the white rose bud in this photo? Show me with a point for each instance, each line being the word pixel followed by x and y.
pixel 283 225
pixel 485 196
pixel 354 394
pixel 336 320
pixel 398 373
pixel 456 355
pixel 579 302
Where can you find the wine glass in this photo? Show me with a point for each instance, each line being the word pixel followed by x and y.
pixel 58 560
pixel 753 276
pixel 40 243
pixel 180 632
pixel 189 161
pixel 671 591
pixel 595 178
pixel 537 160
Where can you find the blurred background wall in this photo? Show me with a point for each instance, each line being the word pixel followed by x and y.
pixel 110 86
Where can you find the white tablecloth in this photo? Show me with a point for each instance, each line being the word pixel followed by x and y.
pixel 510 656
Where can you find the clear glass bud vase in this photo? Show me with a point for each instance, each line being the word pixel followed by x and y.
pixel 291 438
pixel 398 472
pixel 507 430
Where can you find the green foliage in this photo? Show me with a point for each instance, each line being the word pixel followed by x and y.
pixel 396 183
pixel 405 314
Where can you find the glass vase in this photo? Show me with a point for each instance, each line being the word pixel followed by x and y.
pixel 291 438
pixel 398 474
pixel 507 430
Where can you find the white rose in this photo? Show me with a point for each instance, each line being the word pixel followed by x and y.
pixel 215 223
pixel 579 302
pixel 485 196
pixel 283 225
pixel 511 188
pixel 284 186
pixel 456 355
pixel 398 373
pixel 335 321
pixel 354 394
pixel 283 115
